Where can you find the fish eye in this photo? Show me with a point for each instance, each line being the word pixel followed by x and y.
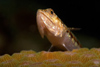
pixel 51 12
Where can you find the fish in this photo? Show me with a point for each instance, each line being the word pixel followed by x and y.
pixel 59 35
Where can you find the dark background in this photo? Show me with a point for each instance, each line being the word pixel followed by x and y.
pixel 18 28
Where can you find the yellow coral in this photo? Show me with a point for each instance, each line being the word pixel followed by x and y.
pixel 85 57
pixel 68 56
pixel 76 58
pixel 18 56
pixel 24 64
pixel 38 64
pixel 96 51
pixel 29 57
pixel 74 64
pixel 28 52
pixel 52 61
pixel 80 50
pixel 5 58
pixel 93 62
pixel 41 56
pixel 55 65
pixel 9 63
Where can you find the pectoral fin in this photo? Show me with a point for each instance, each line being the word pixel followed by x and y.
pixel 66 47
pixel 50 48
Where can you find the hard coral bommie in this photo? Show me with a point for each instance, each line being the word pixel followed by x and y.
pixel 82 57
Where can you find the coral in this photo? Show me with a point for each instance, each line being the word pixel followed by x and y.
pixel 93 62
pixel 96 51
pixel 24 64
pixel 85 57
pixel 41 56
pixel 18 56
pixel 52 61
pixel 28 52
pixel 68 56
pixel 74 64
pixel 38 64
pixel 55 65
pixel 82 57
pixel 5 57
pixel 29 57
pixel 80 50
pixel 9 63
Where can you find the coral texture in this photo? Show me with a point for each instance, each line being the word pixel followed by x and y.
pixel 77 58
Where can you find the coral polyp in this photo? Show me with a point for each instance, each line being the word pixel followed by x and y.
pixel 55 65
pixel 28 52
pixel 38 64
pixel 30 57
pixel 24 64
pixel 80 50
pixel 96 51
pixel 17 56
pixel 41 56
pixel 5 57
pixel 87 56
pixel 52 61
pixel 9 63
pixel 82 57
pixel 93 62
pixel 74 64
pixel 67 56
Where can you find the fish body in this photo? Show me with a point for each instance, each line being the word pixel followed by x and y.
pixel 59 35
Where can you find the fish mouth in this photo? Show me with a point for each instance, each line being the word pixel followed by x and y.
pixel 43 13
pixel 50 25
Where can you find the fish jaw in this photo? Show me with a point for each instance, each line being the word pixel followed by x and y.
pixel 40 23
pixel 47 23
